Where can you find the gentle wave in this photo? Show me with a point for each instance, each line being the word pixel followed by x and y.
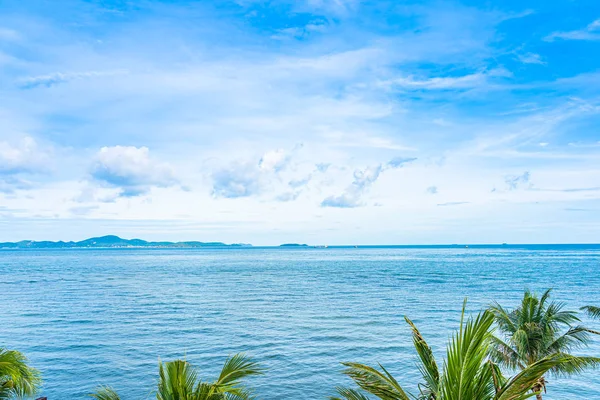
pixel 90 317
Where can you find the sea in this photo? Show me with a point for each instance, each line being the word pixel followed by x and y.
pixel 90 317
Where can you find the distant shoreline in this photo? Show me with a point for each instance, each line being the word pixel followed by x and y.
pixel 115 242
pixel 112 241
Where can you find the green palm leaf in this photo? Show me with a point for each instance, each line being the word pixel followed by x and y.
pixel 235 369
pixel 592 311
pixel 380 384
pixel 105 393
pixel 176 380
pixel 540 330
pixel 17 378
pixel 526 380
pixel 428 367
pixel 466 375
pixel 349 394
pixel 469 371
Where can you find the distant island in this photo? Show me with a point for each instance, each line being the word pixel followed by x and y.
pixel 112 241
pixel 293 245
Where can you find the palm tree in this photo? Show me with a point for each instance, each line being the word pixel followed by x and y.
pixel 17 378
pixel 538 329
pixel 178 380
pixel 467 372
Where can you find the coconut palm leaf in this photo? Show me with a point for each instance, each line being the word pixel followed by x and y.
pixel 176 381
pixel 469 371
pixel 466 375
pixel 105 393
pixel 572 365
pixel 428 367
pixel 235 369
pixel 574 337
pixel 501 352
pixel 528 378
pixel 17 378
pixel 349 394
pixel 592 311
pixel 380 384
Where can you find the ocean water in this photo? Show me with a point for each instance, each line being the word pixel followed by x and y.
pixel 92 317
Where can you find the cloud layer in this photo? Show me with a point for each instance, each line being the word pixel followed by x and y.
pixel 301 121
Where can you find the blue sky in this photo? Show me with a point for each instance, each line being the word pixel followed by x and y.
pixel 314 121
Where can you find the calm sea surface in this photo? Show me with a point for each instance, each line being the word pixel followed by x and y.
pixel 91 317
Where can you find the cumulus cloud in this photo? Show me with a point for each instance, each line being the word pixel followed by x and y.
pixel 18 160
pixel 23 157
pixel 131 169
pixel 288 196
pixel 363 179
pixel 274 160
pixel 514 182
pixel 297 183
pixel 244 179
pixel 351 197
pixel 238 180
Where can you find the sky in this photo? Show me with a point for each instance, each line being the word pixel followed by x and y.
pixel 307 121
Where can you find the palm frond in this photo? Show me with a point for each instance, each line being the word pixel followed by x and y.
pixel 505 319
pixel 105 393
pixel 349 394
pixel 176 380
pixel 428 367
pixel 501 352
pixel 572 365
pixel 234 370
pixel 379 384
pixel 517 387
pixel 574 337
pixel 17 378
pixel 592 311
pixel 464 373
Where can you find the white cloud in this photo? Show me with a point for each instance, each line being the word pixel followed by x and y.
pixel 219 103
pixel 274 160
pixel 237 180
pixel 590 32
pixel 302 32
pixel 22 157
pixel 352 196
pixel 131 169
pixel 514 182
pixel 460 82
pixel 252 178
pixel 63 77
pixel 463 82
pixel 531 58
pixel 19 161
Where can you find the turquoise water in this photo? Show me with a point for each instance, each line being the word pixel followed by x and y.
pixel 90 317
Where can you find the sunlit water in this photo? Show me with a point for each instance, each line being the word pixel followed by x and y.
pixel 91 317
